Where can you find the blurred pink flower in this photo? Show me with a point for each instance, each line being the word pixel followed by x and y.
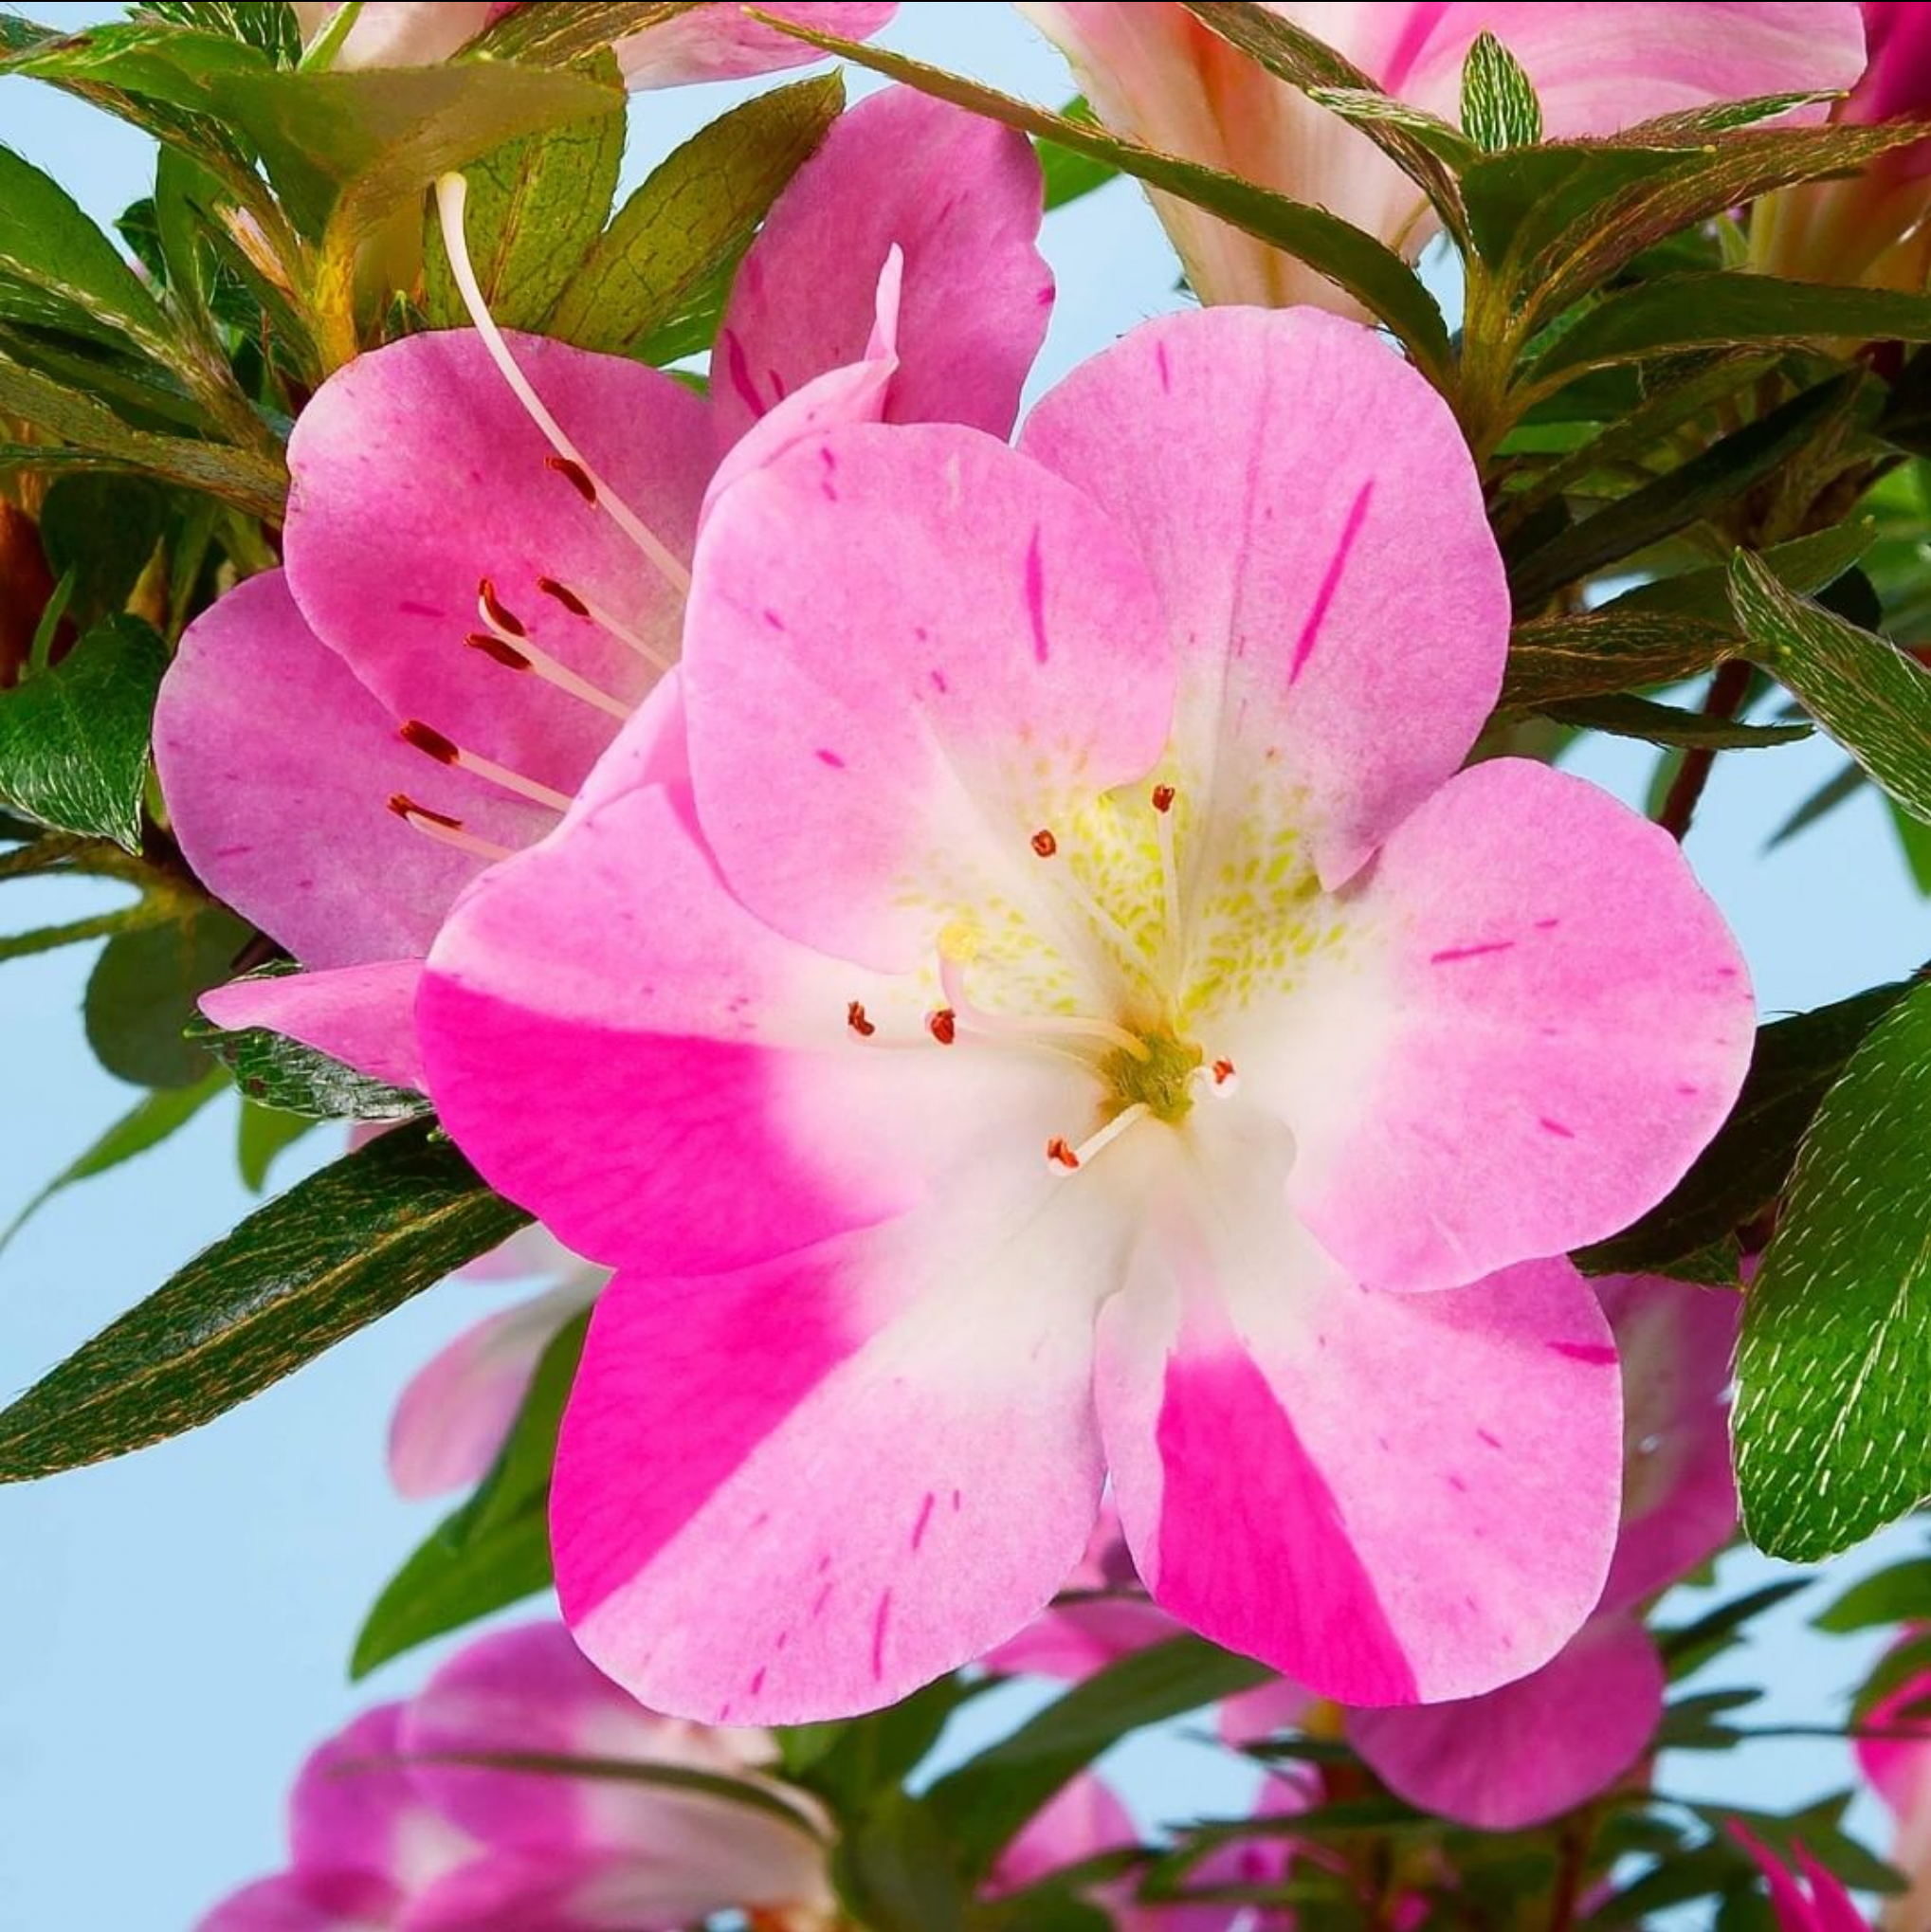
pixel 1899 1769
pixel 1807 1900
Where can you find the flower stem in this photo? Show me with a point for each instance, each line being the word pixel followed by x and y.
pixel 1726 692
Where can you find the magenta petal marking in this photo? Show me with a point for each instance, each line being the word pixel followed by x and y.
pixel 1594 1353
pixel 1330 582
pixel 1556 1127
pixel 1035 596
pixel 881 1617
pixel 1449 954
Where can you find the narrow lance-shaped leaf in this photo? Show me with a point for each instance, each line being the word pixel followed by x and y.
pixel 321 1260
pixel 1595 653
pixel 1872 698
pixel 1376 276
pixel 1499 106
pixel 1622 715
pixel 1832 1421
pixel 557 33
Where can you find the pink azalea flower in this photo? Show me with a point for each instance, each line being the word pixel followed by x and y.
pixel 1152 71
pixel 714 41
pixel 1809 1900
pixel 1898 1768
pixel 471 603
pixel 1072 996
pixel 1870 226
pixel 385 1838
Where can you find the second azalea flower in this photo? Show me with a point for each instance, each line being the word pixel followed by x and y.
pixel 1065 1000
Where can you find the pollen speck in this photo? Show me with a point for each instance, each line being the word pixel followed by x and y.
pixel 942 1025
pixel 855 1019
pixel 1045 843
pixel 1163 799
pixel 1060 1153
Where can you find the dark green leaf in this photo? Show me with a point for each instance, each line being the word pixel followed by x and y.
pixel 984 1802
pixel 1690 1646
pixel 493 1551
pixel 1872 698
pixel 1353 260
pixel 275 1071
pixel 1560 660
pixel 1824 800
pixel 146 1124
pixel 331 1254
pixel 896 1871
pixel 654 283
pixel 269 26
pixel 1689 493
pixel 1899 1595
pixel 1831 1427
pixel 1665 724
pixel 1819 1829
pixel 143 994
pixel 74 738
pixel 868 1754
pixel 1744 1170
pixel 1808 564
pixel 260 1135
pixel 535 206
pixel 1499 106
pixel 1069 176
pixel 104 529
pixel 1914 840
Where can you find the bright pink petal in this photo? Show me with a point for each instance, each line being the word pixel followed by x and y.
pixel 362 1016
pixel 1389 1498
pixel 1679 1496
pixel 803 1490
pixel 1282 1706
pixel 286 1905
pixel 400 33
pixel 1532 1023
pixel 670 1085
pixel 418 475
pixel 911 649
pixel 454 1414
pixel 1818 1904
pixel 1073 1640
pixel 1286 477
pixel 1534 1748
pixel 278 768
pixel 722 42
pixel 1081 1821
pixel 1899 1767
pixel 961 197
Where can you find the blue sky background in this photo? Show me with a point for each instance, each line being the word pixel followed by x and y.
pixel 177 1623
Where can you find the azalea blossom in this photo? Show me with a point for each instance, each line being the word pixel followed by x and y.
pixel 487 547
pixel 387 1834
pixel 1899 1767
pixel 1153 72
pixel 1868 226
pixel 713 42
pixel 1067 1000
pixel 1806 1899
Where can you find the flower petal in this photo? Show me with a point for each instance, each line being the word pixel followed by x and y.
pixel 1073 1640
pixel 960 196
pixel 278 767
pixel 724 42
pixel 803 1490
pixel 1081 1821
pixel 1390 1498
pixel 418 475
pixel 1533 1021
pixel 912 647
pixel 454 1414
pixel 1533 1749
pixel 361 1015
pixel 280 1904
pixel 1316 528
pixel 672 1087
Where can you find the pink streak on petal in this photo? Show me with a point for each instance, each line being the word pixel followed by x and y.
pixel 1303 645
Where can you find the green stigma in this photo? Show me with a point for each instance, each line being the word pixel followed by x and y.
pixel 1162 1082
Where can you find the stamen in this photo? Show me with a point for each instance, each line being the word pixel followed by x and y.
pixel 1163 799
pixel 1045 843
pixel 1218 1079
pixel 855 1019
pixel 1170 879
pixel 445 751
pixel 942 1025
pixel 525 656
pixel 496 613
pixel 580 606
pixel 575 476
pixel 1064 1160
pixel 438 825
pixel 452 194
pixel 1041 1027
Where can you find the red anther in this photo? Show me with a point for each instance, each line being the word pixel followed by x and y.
pixel 576 474
pixel 1223 1072
pixel 1045 843
pixel 942 1025
pixel 1163 799
pixel 405 807
pixel 1059 1151
pixel 498 613
pixel 564 595
pixel 426 739
pixel 497 647
pixel 855 1019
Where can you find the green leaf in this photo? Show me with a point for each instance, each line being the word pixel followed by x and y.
pixel 493 1551
pixel 1371 110
pixel 897 1871
pixel 335 1252
pixel 1872 698
pixel 105 529
pixel 268 25
pixel 1741 1172
pixel 74 738
pixel 654 283
pixel 1898 1595
pixel 1688 1647
pixel 1914 840
pixel 1499 106
pixel 1666 725
pixel 849 1764
pixel 275 1071
pixel 260 1135
pixel 1818 1827
pixel 1069 176
pixel 1824 800
pixel 1566 658
pixel 535 206
pixel 983 1803
pixel 556 33
pixel 1906 1660
pixel 1687 494
pixel 142 993
pixel 1807 564
pixel 1374 275
pixel 1678 313
pixel 1833 1420
pixel 146 1124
